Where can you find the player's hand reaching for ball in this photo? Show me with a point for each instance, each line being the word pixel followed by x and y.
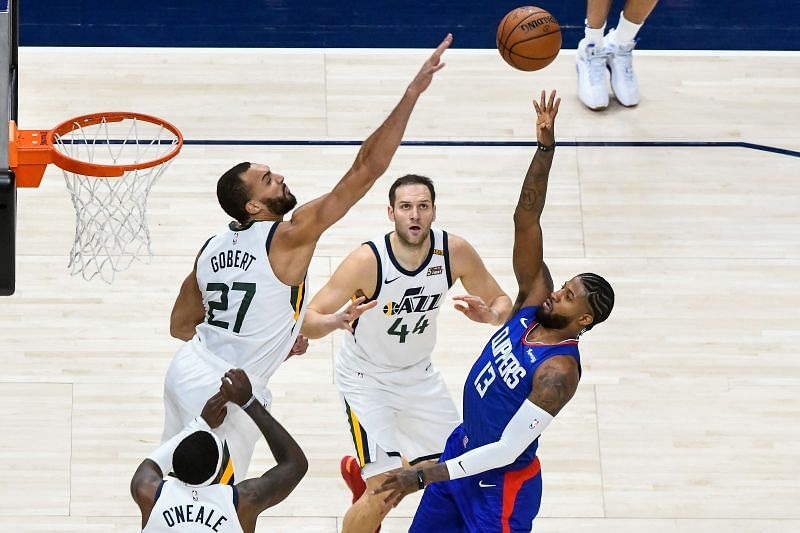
pixel 214 410
pixel 236 387
pixel 433 65
pixel 546 112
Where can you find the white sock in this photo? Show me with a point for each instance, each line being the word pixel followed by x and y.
pixel 594 35
pixel 625 31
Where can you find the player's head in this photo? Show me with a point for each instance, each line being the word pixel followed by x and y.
pixel 198 459
pixel 579 305
pixel 412 208
pixel 249 191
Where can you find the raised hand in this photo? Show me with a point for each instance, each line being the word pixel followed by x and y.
pixel 545 117
pixel 353 310
pixel 474 308
pixel 236 387
pixel 423 78
pixel 214 410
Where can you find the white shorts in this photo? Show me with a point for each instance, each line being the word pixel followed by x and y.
pixel 406 413
pixel 192 378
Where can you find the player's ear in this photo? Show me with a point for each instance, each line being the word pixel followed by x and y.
pixel 390 213
pixel 585 320
pixel 253 208
pixel 433 207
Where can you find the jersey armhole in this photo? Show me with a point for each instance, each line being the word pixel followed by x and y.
pixel 379 280
pixel 158 491
pixel 446 250
pixel 235 497
pixel 270 235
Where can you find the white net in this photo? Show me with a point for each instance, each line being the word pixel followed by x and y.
pixel 111 213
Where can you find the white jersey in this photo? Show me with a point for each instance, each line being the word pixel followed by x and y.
pixel 400 331
pixel 180 508
pixel 252 319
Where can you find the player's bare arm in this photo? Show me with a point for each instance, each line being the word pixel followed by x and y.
pixel 533 277
pixel 188 310
pixel 485 302
pixel 334 306
pixel 258 494
pixel 310 220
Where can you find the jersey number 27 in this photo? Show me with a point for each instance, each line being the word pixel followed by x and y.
pixel 249 290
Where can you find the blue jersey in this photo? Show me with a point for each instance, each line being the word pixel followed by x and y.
pixel 501 378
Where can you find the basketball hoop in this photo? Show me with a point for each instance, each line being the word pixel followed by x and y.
pixel 110 161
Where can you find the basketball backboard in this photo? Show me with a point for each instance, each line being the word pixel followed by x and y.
pixel 9 44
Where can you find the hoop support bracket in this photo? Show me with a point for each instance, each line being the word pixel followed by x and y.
pixel 29 153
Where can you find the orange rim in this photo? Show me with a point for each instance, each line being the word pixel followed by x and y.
pixel 100 170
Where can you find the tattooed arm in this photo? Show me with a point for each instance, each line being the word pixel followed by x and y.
pixel 554 383
pixel 533 277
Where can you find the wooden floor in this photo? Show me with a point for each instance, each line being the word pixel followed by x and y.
pixel 686 419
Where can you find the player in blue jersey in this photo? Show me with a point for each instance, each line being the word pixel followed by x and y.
pixel 488 479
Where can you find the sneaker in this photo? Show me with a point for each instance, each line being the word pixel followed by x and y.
pixel 620 63
pixel 590 62
pixel 351 473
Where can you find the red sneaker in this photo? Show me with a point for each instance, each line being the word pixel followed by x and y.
pixel 351 473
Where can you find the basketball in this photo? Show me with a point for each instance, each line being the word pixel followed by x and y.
pixel 529 38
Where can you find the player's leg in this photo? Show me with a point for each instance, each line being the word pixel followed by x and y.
pixel 188 385
pixel 620 43
pixel 367 513
pixel 428 417
pixel 590 59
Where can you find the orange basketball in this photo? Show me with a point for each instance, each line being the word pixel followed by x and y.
pixel 529 38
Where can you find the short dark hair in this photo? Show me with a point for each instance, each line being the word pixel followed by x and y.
pixel 233 194
pixel 195 459
pixel 411 179
pixel 600 296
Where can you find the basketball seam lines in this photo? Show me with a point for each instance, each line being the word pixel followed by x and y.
pixel 533 39
pixel 505 44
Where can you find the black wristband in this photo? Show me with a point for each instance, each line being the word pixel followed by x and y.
pixel 545 147
pixel 420 478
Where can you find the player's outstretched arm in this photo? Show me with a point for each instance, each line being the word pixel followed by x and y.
pixel 533 277
pixel 341 300
pixel 310 220
pixel 485 302
pixel 257 494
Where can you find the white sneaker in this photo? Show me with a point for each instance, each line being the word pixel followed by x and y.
pixel 620 63
pixel 590 62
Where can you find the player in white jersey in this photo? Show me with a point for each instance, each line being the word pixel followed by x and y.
pixel 192 499
pixel 396 401
pixel 242 304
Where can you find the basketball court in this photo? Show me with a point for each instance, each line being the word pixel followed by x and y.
pixel 685 419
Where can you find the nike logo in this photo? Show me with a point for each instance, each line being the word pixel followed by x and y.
pixel 484 485
pixel 524 322
pixel 388 281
